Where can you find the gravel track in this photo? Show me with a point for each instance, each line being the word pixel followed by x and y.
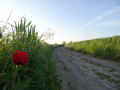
pixel 82 72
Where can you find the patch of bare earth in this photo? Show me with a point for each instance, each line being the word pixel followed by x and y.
pixel 81 72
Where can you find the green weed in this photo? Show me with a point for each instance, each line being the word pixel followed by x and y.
pixel 111 70
pixel 65 67
pixel 96 64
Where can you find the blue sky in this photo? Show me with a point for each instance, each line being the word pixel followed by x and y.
pixel 70 20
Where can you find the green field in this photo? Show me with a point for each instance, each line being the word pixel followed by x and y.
pixel 39 73
pixel 108 48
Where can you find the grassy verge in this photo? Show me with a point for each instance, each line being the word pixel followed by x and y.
pixel 104 47
pixel 39 73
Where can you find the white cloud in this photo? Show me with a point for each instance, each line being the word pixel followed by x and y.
pixel 108 24
pixel 103 15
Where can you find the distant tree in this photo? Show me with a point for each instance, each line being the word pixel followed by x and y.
pixel 70 41
pixel 55 43
pixel 64 42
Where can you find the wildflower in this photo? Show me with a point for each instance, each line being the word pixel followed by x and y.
pixel 20 58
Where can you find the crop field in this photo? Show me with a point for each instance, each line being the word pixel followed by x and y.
pixel 108 48
pixel 37 71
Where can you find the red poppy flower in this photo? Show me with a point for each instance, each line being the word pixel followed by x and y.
pixel 20 58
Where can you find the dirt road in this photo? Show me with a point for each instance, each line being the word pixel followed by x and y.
pixel 81 72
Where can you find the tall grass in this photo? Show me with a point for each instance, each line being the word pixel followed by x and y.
pixel 39 73
pixel 104 47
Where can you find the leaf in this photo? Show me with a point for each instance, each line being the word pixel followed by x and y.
pixel 29 23
pixel 7 21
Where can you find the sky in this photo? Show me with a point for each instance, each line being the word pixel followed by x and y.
pixel 69 20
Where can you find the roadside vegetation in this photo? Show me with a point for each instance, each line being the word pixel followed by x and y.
pixel 108 48
pixel 39 72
